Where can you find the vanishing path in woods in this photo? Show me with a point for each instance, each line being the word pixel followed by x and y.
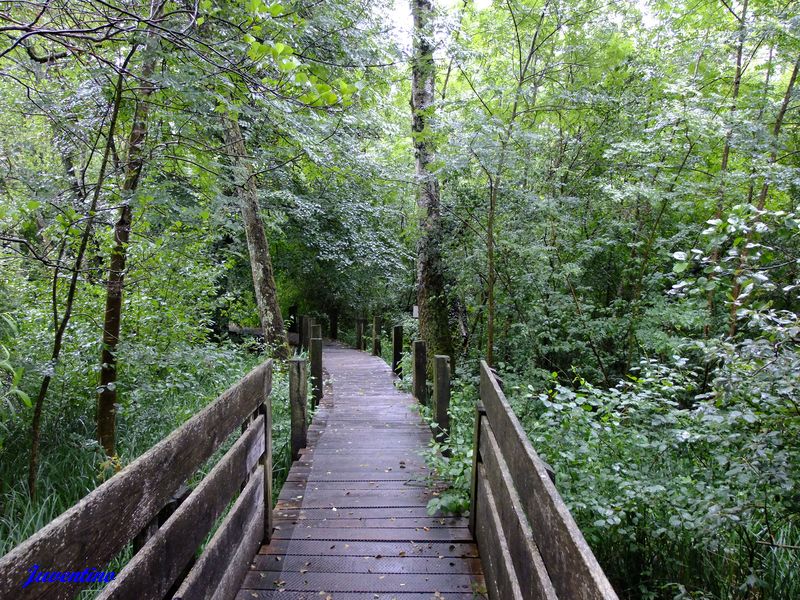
pixel 351 520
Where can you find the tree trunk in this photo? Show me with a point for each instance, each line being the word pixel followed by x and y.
pixel 107 389
pixel 762 198
pixel 61 326
pixel 269 311
pixel 726 152
pixel 434 324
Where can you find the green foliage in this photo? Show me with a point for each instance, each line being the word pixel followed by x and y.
pixel 451 458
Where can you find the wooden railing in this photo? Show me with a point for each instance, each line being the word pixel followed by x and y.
pixel 129 509
pixel 530 546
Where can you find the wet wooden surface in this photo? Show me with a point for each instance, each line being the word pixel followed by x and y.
pixel 351 520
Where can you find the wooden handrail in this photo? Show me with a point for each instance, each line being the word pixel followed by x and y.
pixel 529 543
pixel 103 523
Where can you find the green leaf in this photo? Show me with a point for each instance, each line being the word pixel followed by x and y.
pixel 679 267
pixel 26 400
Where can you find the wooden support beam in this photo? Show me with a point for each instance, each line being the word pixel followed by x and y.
pixel 316 371
pixel 397 349
pixel 298 403
pixel 307 333
pixel 376 336
pixel 316 331
pixel 333 322
pixel 359 334
pixel 480 412
pixel 365 336
pixel 304 332
pixel 419 372
pixel 441 395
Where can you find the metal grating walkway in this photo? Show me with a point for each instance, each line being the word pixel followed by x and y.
pixel 351 521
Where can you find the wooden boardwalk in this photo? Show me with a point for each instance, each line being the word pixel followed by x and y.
pixel 351 520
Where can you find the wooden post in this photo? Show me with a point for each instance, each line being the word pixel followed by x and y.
pixel 363 337
pixel 333 320
pixel 298 403
pixel 302 333
pixel 476 460
pixel 266 458
pixel 359 333
pixel 376 336
pixel 397 349
pixel 441 395
pixel 308 323
pixel 419 372
pixel 316 371
pixel 316 331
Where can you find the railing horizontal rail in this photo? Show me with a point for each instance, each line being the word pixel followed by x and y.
pixel 102 524
pixel 529 542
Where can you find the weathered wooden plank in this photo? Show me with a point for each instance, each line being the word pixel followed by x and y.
pixel 153 570
pixel 357 513
pixel 373 548
pixel 476 444
pixel 289 595
pixel 527 561
pixel 375 522
pixel 96 529
pixel 398 534
pixel 572 566
pixel 367 564
pixel 501 578
pixel 239 530
pixel 266 466
pixel 365 583
pixel 239 563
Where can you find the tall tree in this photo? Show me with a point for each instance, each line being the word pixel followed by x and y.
pixel 112 320
pixel 434 324
pixel 269 311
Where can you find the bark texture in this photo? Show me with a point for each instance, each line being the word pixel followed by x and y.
pixel 434 324
pixel 269 311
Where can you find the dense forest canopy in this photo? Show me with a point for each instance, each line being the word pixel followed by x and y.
pixel 598 197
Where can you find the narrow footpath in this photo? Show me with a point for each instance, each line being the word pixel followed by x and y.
pixel 351 520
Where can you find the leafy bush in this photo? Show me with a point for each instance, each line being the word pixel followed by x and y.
pixel 681 493
pixel 450 457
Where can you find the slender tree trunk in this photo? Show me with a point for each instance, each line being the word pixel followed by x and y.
pixel 434 323
pixel 61 325
pixel 107 389
pixel 737 83
pixel 762 197
pixel 269 311
pixel 726 152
